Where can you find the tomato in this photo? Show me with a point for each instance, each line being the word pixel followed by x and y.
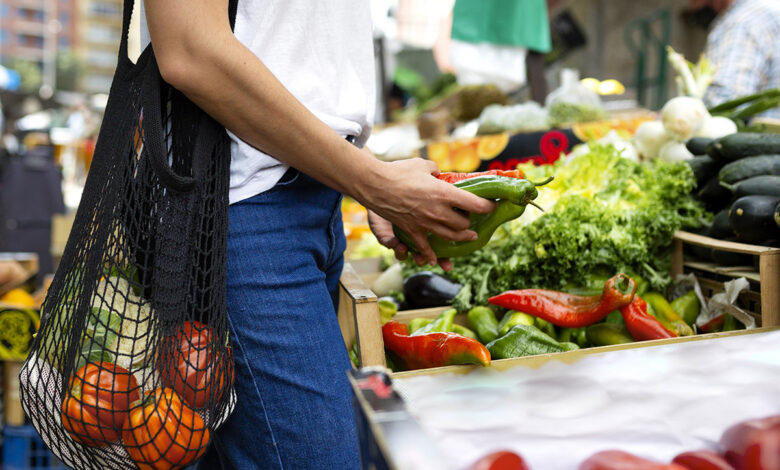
pixel 619 460
pixel 162 433
pixel 702 460
pixel 500 460
pixel 95 408
pixel 753 444
pixel 194 366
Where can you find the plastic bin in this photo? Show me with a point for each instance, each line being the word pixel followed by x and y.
pixel 23 449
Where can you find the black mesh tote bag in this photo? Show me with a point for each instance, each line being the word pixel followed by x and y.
pixel 132 366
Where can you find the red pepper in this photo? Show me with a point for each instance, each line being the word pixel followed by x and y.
pixel 453 177
pixel 501 460
pixel 753 444
pixel 641 324
pixel 716 324
pixel 432 349
pixel 619 460
pixel 568 310
pixel 702 460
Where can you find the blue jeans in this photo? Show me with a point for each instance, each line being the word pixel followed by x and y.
pixel 294 409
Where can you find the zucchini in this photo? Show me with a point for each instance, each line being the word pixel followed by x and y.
pixel 729 258
pixel 749 167
pixel 698 145
pixel 721 229
pixel 714 196
pixel 767 185
pixel 704 167
pixel 752 218
pixel 744 144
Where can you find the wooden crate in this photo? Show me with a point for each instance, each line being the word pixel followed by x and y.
pixel 763 299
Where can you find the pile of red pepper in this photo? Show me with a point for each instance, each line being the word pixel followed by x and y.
pixel 750 445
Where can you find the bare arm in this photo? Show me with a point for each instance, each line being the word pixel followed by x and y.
pixel 199 55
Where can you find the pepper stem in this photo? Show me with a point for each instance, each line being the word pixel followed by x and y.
pixel 536 205
pixel 542 183
pixel 624 283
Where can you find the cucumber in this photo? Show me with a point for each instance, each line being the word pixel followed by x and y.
pixel 767 185
pixel 698 145
pixel 704 167
pixel 744 144
pixel 749 167
pixel 714 196
pixel 729 258
pixel 721 229
pixel 753 218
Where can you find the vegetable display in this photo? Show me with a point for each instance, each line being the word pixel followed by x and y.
pixel 162 433
pixel 641 325
pixel 603 213
pixel 526 340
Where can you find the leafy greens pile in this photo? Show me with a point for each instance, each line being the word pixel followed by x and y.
pixel 604 214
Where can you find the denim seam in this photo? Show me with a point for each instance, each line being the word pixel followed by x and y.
pixel 257 390
pixel 332 240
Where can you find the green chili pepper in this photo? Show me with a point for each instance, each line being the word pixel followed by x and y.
pixel 730 323
pixel 605 334
pixel 659 307
pixel 526 340
pixel 580 336
pixel 615 318
pixel 546 327
pixel 484 322
pixel 512 195
pixel 387 310
pixel 463 331
pixel 687 306
pixel 353 355
pixel 442 323
pixel 417 323
pixel 512 318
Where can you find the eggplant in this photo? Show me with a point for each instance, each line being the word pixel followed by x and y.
pixel 752 218
pixel 428 289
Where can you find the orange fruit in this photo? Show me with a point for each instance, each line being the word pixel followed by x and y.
pixel 465 159
pixel 439 153
pixel 490 146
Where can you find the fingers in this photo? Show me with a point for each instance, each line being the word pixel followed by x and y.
pixel 471 203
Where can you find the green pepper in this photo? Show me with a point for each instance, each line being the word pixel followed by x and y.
pixel 484 322
pixel 417 323
pixel 442 323
pixel 605 334
pixel 580 336
pixel 615 318
pixel 546 327
pixel 512 195
pixel 387 310
pixel 463 331
pixel 512 318
pixel 687 306
pixel 730 323
pixel 353 355
pixel 659 307
pixel 526 340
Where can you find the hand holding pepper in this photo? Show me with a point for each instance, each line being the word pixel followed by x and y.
pixel 568 310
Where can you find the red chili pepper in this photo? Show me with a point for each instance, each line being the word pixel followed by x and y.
pixel 641 324
pixel 702 460
pixel 454 177
pixel 501 460
pixel 619 460
pixel 568 310
pixel 716 324
pixel 753 444
pixel 432 349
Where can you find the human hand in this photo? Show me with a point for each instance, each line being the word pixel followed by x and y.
pixel 383 230
pixel 407 194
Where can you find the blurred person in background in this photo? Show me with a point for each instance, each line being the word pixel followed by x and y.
pixel 743 45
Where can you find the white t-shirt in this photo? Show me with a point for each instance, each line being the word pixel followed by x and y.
pixel 323 53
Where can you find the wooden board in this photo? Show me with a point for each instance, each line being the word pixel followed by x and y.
pixel 358 317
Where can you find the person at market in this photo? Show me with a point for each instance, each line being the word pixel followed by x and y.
pixel 294 86
pixel 744 47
